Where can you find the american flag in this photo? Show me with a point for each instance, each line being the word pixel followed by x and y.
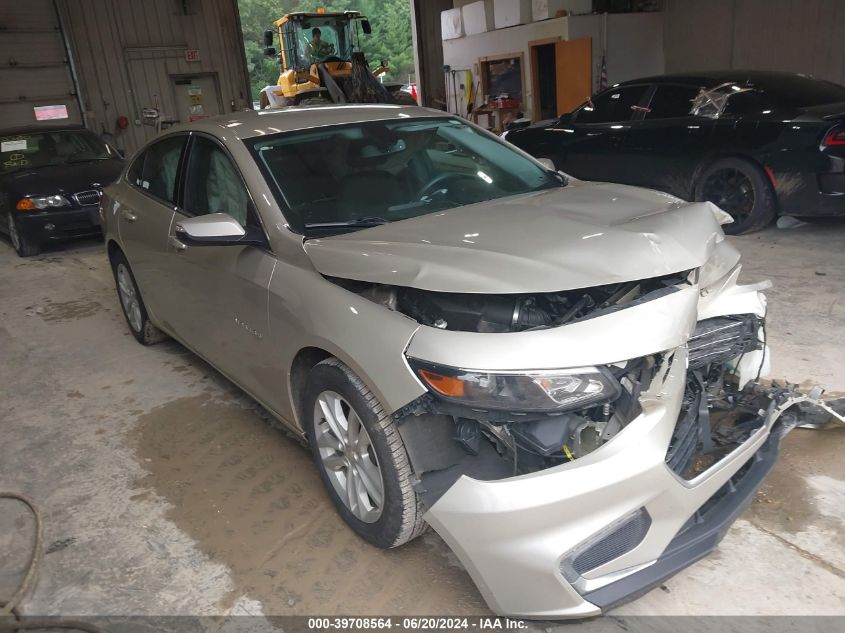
pixel 603 74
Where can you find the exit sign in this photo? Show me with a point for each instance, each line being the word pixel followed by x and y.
pixel 192 55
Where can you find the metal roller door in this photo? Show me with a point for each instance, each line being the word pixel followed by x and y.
pixel 35 68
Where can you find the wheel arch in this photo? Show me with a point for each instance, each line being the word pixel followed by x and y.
pixel 303 362
pixel 112 248
pixel 710 159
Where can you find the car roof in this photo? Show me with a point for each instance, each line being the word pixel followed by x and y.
pixel 710 78
pixel 252 123
pixel 35 129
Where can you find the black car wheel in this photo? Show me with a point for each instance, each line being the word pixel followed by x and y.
pixel 741 189
pixel 23 246
pixel 360 456
pixel 132 303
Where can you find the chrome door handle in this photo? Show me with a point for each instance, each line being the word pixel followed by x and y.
pixel 128 215
pixel 175 243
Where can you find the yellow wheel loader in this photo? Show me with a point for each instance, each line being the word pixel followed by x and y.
pixel 321 62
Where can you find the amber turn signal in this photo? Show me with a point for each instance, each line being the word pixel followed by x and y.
pixel 25 204
pixel 444 385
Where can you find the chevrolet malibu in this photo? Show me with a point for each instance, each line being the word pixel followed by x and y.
pixel 560 377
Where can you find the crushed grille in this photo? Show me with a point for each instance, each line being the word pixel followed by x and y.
pixel 720 339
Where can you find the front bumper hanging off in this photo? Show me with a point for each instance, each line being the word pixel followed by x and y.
pixel 636 521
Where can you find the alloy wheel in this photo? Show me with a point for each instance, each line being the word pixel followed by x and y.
pixel 128 297
pixel 348 456
pixel 732 191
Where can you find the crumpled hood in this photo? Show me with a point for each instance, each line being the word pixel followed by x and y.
pixel 586 234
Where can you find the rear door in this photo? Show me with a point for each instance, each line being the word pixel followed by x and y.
pixel 591 144
pixel 665 147
pixel 144 214
pixel 35 72
pixel 218 295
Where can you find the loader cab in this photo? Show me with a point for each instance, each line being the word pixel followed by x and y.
pixel 310 38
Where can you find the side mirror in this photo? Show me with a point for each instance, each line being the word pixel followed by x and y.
pixel 365 26
pixel 269 34
pixel 217 229
pixel 548 163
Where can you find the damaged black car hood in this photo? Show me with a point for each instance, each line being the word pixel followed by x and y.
pixel 66 178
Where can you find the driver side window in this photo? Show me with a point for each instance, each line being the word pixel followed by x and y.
pixel 214 185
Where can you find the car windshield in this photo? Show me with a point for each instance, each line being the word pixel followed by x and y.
pixel 351 176
pixel 31 150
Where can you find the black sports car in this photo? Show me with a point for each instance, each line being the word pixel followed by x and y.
pixel 757 144
pixel 51 180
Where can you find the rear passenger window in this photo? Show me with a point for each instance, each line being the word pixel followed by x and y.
pixel 155 170
pixel 611 106
pixel 748 102
pixel 671 101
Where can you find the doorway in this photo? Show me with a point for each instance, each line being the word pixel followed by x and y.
pixel 545 81
pixel 561 76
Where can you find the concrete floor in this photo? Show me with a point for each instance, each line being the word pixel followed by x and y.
pixel 165 490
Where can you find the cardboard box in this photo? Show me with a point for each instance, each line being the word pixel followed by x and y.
pixel 547 9
pixel 478 17
pixel 451 24
pixel 511 13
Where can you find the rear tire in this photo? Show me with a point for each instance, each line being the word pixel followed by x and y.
pixel 132 303
pixel 741 189
pixel 366 472
pixel 23 246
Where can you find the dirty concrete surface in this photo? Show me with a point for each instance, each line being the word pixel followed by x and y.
pixel 166 490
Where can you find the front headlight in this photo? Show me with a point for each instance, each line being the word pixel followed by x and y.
pixel 551 390
pixel 29 204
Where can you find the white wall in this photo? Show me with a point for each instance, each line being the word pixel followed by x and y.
pixel 806 36
pixel 464 53
pixel 634 46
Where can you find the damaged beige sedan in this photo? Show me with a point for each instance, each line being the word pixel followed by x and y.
pixel 559 376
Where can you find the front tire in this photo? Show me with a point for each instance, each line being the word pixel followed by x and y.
pixel 740 188
pixel 360 456
pixel 132 303
pixel 23 246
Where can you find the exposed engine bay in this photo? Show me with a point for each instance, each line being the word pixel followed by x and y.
pixel 446 440
pixel 510 313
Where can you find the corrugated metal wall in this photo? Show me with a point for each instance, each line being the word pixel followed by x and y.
pixel 806 36
pixel 35 70
pixel 130 54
